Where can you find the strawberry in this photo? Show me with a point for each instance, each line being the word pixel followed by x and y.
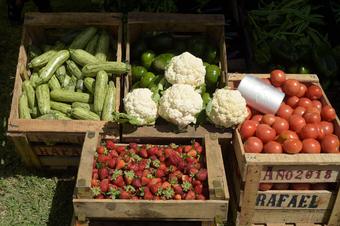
pixel 190 195
pixel 196 182
pixel 124 195
pixel 202 174
pixel 156 163
pixel 192 153
pixel 103 173
pixel 134 198
pixel 129 176
pixel 139 173
pixel 114 192
pixel 154 188
pixel 178 197
pixel 178 189
pixel 148 195
pixel 166 185
pixel 133 166
pixel 159 173
pixel 102 158
pixel 137 182
pixel 186 178
pixel 101 196
pixel 198 189
pixel 130 189
pixel 197 165
pixel 181 164
pixel 196 145
pixel 172 168
pixel 186 186
pixel 119 181
pixel 187 148
pixel 145 180
pixel 167 152
pixel 133 146
pixel 168 193
pixel 143 153
pixel 154 181
pixel 156 198
pixel 193 172
pixel 100 150
pixel 94 183
pixel 104 185
pixel 110 144
pixel 162 158
pixel 190 160
pixel 113 154
pixel 120 149
pixel 173 179
pixel 199 149
pixel 126 158
pixel 174 158
pixel 152 151
pixel 159 152
pixel 144 164
pixel 96 191
pixel 120 164
pixel 179 149
pixel 95 175
pixel 116 174
pixel 178 174
pixel 200 197
pixel 146 172
pixel 112 163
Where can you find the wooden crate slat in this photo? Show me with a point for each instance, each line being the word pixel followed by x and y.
pixel 233 77
pixel 334 219
pixel 58 161
pixel 51 137
pixel 57 150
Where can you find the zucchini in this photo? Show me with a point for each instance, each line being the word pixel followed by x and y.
pixel 80 41
pixel 100 92
pixel 29 90
pixel 34 112
pixel 103 46
pixel 70 96
pixel 91 46
pixel 82 57
pixel 84 114
pixel 34 79
pixel 61 73
pixel 54 83
pixel 24 111
pixel 60 116
pixel 65 81
pixel 73 69
pixel 42 59
pixel 90 84
pixel 90 70
pixel 57 60
pixel 109 103
pixel 49 116
pixel 82 105
pixel 80 85
pixel 62 107
pixel 43 98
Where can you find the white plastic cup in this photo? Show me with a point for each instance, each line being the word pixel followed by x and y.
pixel 260 95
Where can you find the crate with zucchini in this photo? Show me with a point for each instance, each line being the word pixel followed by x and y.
pixel 67 82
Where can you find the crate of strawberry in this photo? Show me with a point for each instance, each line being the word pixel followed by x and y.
pixel 299 145
pixel 159 181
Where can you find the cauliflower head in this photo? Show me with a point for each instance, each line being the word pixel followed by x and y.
pixel 185 69
pixel 139 104
pixel 180 104
pixel 227 108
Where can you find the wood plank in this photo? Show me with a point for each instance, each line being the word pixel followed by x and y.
pixel 57 150
pixel 59 162
pixel 239 153
pixel 275 224
pixel 145 209
pixel 334 219
pixel 305 224
pixel 52 137
pixel 233 77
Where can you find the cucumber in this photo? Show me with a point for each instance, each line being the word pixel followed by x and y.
pixel 73 69
pixel 90 84
pixel 60 73
pixel 80 85
pixel 34 112
pixel 80 41
pixel 103 46
pixel 43 98
pixel 65 81
pixel 34 78
pixel 42 59
pixel 82 57
pixel 90 70
pixel 57 60
pixel 70 96
pixel 54 83
pixel 82 105
pixel 84 114
pixel 109 103
pixel 49 116
pixel 62 107
pixel 91 46
pixel 29 90
pixel 24 111
pixel 60 116
pixel 100 92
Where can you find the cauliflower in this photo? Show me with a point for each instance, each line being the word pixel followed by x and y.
pixel 139 104
pixel 227 108
pixel 180 104
pixel 185 69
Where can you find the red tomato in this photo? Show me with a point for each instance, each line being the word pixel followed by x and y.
pixel 312 109
pixel 277 77
pixel 310 146
pixel 265 133
pixel 300 186
pixel 302 90
pixel 281 186
pixel 272 147
pixel 312 117
pixel 328 113
pixel 268 119
pixel 299 110
pixel 305 102
pixel 285 135
pixel 265 186
pixel 249 113
pixel 285 111
pixel 296 123
pixel 292 146
pixel 292 101
pixel 267 81
pixel 257 118
pixel 253 145
pixel 314 92
pixel 317 104
pixel 248 128
pixel 310 131
pixel 326 127
pixel 280 125
pixel 330 144
pixel 291 87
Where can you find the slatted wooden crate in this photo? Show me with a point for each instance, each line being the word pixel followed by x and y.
pixel 284 206
pixel 56 143
pixel 181 24
pixel 87 208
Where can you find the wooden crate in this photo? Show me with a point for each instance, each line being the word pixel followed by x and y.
pixel 87 208
pixel 139 23
pixel 56 143
pixel 318 206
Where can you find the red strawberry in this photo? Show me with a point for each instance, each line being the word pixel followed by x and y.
pixel 103 173
pixel 120 149
pixel 157 198
pixel 146 172
pixel 154 188
pixel 120 164
pixel 202 174
pixel 112 163
pixel 137 182
pixel 159 153
pixel 190 160
pixel 130 189
pixel 113 154
pixel 154 181
pixel 143 153
pixel 178 197
pixel 94 183
pixel 119 181
pixel 134 198
pixel 186 178
pixel 190 195
pixel 133 166
pixel 179 149
pixel 95 175
pixel 178 174
pixel 200 197
pixel 139 173
pixel 197 165
pixel 100 150
pixel 101 196
pixel 187 148
pixel 198 189
pixel 173 179
pixel 168 193
pixel 124 195
pixel 156 163
pixel 181 164
pixel 174 158
pixel 129 176
pixel 102 158
pixel 196 145
pixel 199 149
pixel 110 144
pixel 148 195
pixel 166 185
pixel 133 145
pixel 159 173
pixel 167 152
pixel 163 167
pixel 192 153
pixel 126 158
pixel 172 168
pixel 196 182
pixel 178 189
pixel 193 172
pixel 162 158
pixel 186 186
pixel 104 185
pixel 152 150
pixel 145 180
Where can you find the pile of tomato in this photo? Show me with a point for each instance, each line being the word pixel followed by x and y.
pixel 302 124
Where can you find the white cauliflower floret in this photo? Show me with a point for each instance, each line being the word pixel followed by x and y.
pixel 185 69
pixel 139 104
pixel 227 108
pixel 180 104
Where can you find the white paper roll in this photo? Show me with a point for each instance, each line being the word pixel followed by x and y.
pixel 260 95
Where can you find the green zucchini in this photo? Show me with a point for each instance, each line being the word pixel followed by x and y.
pixel 34 112
pixel 62 107
pixel 24 111
pixel 90 84
pixel 80 41
pixel 60 116
pixel 109 103
pixel 29 90
pixel 100 92
pixel 43 98
pixel 84 114
pixel 70 96
pixel 82 57
pixel 65 81
pixel 73 69
pixel 42 59
pixel 34 78
pixel 80 85
pixel 103 46
pixel 49 116
pixel 82 105
pixel 53 83
pixel 90 70
pixel 57 60
pixel 91 46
